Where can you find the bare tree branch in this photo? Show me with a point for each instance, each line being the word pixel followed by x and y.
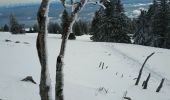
pixel 97 3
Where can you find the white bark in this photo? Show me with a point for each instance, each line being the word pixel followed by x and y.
pixel 45 82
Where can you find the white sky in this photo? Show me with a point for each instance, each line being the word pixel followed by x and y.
pixel 9 2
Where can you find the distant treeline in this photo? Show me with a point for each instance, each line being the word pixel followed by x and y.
pixel 150 28
pixel 79 28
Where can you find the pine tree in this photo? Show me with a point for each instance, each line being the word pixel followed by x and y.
pixel 119 7
pixel 142 34
pixel 109 25
pixel 14 25
pixel 152 10
pixel 54 27
pixel 160 25
pixel 6 28
pixel 77 29
pixel 94 27
pixel 153 25
pixel 80 28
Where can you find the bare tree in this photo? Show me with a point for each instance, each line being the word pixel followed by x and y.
pixel 45 84
pixel 140 72
pixel 76 8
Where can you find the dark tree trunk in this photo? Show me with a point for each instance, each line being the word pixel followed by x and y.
pixel 140 72
pixel 100 64
pixel 41 49
pixel 160 85
pixel 145 85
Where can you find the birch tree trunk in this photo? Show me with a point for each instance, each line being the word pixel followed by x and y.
pixel 60 62
pixel 76 8
pixel 42 18
pixel 60 59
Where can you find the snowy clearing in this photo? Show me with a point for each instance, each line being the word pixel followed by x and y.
pixel 83 79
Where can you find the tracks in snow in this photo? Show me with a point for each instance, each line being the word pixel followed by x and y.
pixel 147 68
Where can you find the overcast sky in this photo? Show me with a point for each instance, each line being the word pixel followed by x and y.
pixel 9 2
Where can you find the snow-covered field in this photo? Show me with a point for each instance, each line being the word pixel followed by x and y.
pixel 83 79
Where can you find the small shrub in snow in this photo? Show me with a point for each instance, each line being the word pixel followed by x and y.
pixel 17 42
pixel 102 90
pixel 125 97
pixel 29 79
pixel 8 40
pixel 72 36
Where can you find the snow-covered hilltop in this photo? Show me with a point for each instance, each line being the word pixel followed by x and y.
pixel 83 78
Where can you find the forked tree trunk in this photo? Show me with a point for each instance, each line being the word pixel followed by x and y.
pixel 60 59
pixel 41 49
pixel 60 62
pixel 140 72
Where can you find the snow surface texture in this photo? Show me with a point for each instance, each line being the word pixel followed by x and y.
pixel 83 79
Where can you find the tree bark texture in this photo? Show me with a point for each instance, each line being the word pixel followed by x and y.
pixel 41 49
pixel 60 62
pixel 140 72
pixel 60 59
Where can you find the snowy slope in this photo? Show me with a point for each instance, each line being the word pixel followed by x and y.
pixel 83 79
